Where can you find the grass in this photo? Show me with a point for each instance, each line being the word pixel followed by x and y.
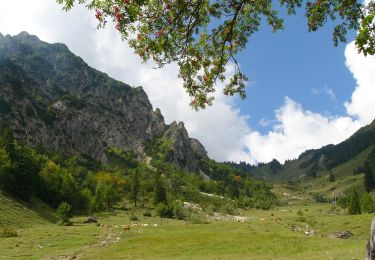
pixel 19 214
pixel 344 182
pixel 260 237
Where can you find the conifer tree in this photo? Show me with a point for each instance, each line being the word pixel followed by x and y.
pixel 367 203
pixel 354 203
pixel 160 192
pixel 135 187
pixel 369 181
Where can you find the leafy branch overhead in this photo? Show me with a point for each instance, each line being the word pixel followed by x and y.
pixel 203 36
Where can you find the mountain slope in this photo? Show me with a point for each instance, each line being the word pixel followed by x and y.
pixel 16 213
pixel 53 99
pixel 340 159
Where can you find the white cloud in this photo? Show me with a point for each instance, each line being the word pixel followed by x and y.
pixel 295 131
pixel 330 93
pixel 265 122
pixel 325 90
pixel 362 104
pixel 221 128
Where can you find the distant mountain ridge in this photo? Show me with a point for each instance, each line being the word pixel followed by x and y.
pixel 53 99
pixel 311 162
pixel 333 155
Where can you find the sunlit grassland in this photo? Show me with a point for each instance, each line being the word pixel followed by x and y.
pixel 260 237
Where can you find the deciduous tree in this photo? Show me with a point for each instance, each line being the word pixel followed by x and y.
pixel 203 36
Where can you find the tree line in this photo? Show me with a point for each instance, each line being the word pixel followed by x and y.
pixel 90 186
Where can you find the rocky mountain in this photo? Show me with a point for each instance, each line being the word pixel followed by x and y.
pixel 51 98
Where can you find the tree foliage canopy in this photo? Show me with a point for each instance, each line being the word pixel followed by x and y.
pixel 203 36
pixel 354 203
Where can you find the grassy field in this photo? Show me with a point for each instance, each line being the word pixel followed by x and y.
pixel 261 236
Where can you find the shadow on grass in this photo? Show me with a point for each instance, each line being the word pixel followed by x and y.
pixel 37 206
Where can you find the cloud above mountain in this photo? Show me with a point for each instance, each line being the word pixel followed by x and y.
pixel 296 130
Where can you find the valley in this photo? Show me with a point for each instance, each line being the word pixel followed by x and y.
pixel 77 146
pixel 270 234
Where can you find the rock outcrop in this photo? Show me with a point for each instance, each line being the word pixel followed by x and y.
pixel 370 248
pixel 53 99
pixel 185 151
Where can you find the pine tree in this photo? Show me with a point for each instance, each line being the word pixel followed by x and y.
pixel 369 181
pixel 331 177
pixel 367 203
pixel 354 203
pixel 135 187
pixel 160 193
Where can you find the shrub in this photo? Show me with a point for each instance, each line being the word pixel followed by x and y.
pixel 164 210
pixel 133 218
pixel 64 212
pixel 8 232
pixel 229 209
pixel 262 204
pixel 343 201
pixel 310 220
pixel 300 217
pixel 182 213
pixel 318 197
pixel 367 203
pixel 198 219
pixel 147 214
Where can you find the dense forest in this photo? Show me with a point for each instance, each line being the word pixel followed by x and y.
pixel 90 186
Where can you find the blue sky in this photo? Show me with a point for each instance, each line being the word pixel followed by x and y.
pixel 303 92
pixel 296 63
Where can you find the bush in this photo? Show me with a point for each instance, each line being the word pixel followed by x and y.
pixel 198 219
pixel 164 210
pixel 229 209
pixel 331 177
pixel 64 212
pixel 147 214
pixel 182 213
pixel 310 220
pixel 8 232
pixel 262 204
pixel 343 201
pixel 300 217
pixel 367 203
pixel 133 218
pixel 320 198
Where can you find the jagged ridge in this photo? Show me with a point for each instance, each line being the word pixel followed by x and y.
pixel 53 99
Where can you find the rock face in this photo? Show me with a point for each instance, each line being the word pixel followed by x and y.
pixel 53 99
pixel 370 248
pixel 186 151
pixel 344 234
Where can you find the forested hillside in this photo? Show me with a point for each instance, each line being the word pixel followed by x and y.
pixel 71 134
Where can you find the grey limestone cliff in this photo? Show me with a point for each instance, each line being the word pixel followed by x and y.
pixel 52 98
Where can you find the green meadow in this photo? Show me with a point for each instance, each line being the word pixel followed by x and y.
pixel 300 229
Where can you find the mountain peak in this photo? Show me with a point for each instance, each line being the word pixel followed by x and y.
pixel 26 37
pixel 72 108
pixel 25 34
